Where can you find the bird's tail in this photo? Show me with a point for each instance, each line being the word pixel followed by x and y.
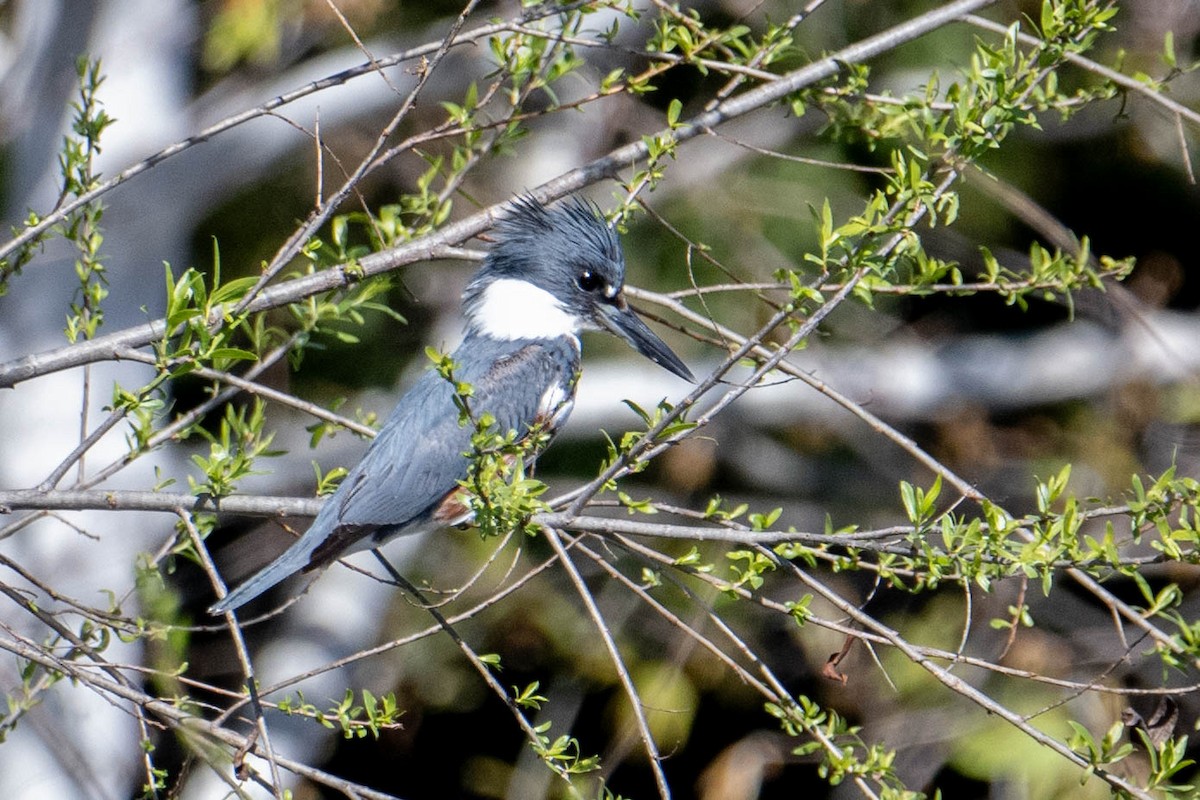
pixel 294 559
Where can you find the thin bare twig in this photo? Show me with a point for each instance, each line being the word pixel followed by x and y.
pixel 614 654
pixel 239 645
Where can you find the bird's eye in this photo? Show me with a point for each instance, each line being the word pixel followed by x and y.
pixel 590 281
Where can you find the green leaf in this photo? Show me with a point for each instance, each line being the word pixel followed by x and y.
pixel 673 111
pixel 232 354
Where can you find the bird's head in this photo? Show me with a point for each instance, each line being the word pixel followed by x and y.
pixel 554 272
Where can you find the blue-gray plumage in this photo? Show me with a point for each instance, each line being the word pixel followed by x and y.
pixel 551 273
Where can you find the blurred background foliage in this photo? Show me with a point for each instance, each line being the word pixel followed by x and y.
pixel 996 393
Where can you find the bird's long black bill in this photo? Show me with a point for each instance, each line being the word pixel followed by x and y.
pixel 629 326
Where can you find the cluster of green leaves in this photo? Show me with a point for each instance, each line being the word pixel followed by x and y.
pixel 158 776
pixel 563 753
pixel 748 568
pixel 233 450
pixel 200 318
pixel 11 265
pixel 684 32
pixel 1002 87
pixel 531 60
pixel 843 753
pixel 82 227
pixel 630 451
pixel 502 496
pixel 355 718
pixel 143 409
pixel 339 313
pixel 1166 758
pixel 499 492
pixel 415 214
pixel 327 482
pixel 684 36
pixel 660 148
pixel 997 544
pixel 1052 275
pixel 994 544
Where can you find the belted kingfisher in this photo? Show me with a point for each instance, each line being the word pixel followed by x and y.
pixel 551 273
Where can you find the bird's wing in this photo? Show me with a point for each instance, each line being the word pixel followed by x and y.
pixel 418 457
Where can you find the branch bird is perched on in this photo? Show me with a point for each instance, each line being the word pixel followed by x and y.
pixel 552 273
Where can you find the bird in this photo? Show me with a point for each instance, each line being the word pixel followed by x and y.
pixel 550 273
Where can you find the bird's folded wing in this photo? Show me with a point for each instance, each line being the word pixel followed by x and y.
pixel 418 457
